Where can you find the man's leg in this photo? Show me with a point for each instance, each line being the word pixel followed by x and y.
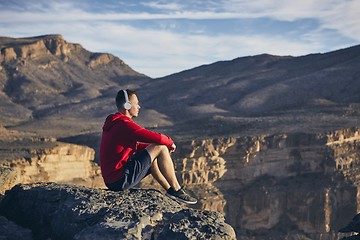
pixel 155 172
pixel 162 167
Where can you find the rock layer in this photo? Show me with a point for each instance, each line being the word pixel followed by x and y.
pixel 34 160
pixel 59 211
pixel 304 182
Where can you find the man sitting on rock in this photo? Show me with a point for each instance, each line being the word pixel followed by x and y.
pixel 129 152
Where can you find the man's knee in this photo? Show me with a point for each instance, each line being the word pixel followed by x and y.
pixel 154 150
pixel 157 147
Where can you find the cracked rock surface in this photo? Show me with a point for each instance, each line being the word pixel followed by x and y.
pixel 60 211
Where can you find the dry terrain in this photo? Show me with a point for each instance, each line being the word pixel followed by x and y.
pixel 283 129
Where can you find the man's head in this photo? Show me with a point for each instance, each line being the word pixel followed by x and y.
pixel 128 103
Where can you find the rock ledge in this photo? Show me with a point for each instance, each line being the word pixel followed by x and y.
pixel 60 211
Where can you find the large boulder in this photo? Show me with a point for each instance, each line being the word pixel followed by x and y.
pixel 60 211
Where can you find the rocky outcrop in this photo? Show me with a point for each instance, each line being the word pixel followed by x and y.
pixel 102 59
pixel 30 161
pixel 58 211
pixel 35 48
pixel 23 49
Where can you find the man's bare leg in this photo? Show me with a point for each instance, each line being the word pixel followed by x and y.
pixel 155 172
pixel 163 167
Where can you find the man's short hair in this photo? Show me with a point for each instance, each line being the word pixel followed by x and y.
pixel 120 97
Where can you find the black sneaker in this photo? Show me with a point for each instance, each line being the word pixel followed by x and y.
pixel 180 196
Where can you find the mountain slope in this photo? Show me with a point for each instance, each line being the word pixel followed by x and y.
pixel 67 90
pixel 47 77
pixel 264 88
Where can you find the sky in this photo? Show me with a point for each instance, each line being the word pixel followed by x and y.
pixel 162 37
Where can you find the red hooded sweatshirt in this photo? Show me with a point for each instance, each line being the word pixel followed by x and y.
pixel 121 139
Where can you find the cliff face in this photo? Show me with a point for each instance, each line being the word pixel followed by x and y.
pixel 42 47
pixel 35 48
pixel 50 161
pixel 300 183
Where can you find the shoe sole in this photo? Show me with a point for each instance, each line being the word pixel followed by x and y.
pixel 180 200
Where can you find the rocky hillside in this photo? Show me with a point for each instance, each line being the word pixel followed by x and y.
pixel 267 93
pixel 46 82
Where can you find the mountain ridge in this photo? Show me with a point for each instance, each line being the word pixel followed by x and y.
pixel 262 86
pixel 51 82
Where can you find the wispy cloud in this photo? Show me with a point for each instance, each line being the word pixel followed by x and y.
pixel 163 6
pixel 338 15
pixel 163 37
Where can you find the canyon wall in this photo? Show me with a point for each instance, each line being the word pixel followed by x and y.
pixel 49 161
pixel 276 185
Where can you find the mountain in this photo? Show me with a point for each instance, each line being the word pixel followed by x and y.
pixel 307 93
pixel 46 82
pixel 58 88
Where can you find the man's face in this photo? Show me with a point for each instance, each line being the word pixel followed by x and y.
pixel 135 107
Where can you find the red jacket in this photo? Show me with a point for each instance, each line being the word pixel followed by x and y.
pixel 121 139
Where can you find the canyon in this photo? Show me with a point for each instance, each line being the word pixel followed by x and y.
pixel 274 187
pixel 277 186
pixel 269 142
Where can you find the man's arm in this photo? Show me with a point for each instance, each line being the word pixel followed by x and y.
pixel 143 135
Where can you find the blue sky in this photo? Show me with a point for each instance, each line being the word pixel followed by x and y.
pixel 159 37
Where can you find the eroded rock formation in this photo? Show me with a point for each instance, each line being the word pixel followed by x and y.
pixel 58 211
pixel 278 185
pixel 23 49
pixel 35 160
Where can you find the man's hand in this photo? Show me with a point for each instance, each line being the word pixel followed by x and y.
pixel 172 148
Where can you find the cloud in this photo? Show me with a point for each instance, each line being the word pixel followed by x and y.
pixel 158 53
pixel 339 15
pixel 163 6
pixel 166 45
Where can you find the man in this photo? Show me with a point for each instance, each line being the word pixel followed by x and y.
pixel 129 152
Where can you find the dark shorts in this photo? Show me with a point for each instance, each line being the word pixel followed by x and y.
pixel 138 167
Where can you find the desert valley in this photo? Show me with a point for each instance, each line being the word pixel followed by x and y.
pixel 272 143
